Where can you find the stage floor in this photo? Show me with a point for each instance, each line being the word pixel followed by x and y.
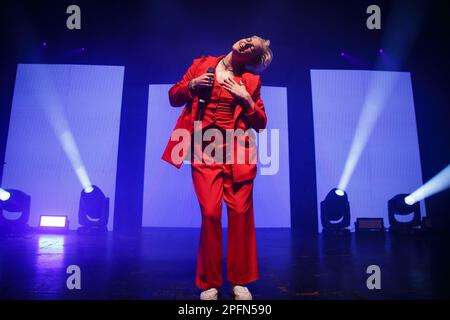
pixel 159 263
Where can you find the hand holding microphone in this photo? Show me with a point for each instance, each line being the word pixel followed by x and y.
pixel 204 85
pixel 206 80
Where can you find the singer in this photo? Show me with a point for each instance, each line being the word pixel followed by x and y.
pixel 224 94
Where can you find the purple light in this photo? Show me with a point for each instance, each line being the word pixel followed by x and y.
pixel 44 44
pixel 82 49
pixel 342 54
pixel 381 51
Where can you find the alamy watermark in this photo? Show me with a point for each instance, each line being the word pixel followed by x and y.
pixel 373 282
pixel 73 282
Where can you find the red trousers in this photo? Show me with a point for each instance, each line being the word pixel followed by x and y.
pixel 213 183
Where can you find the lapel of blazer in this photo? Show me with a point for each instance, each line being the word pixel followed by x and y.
pixel 248 80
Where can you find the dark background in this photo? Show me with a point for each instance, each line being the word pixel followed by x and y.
pixel 157 40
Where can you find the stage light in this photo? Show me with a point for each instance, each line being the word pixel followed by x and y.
pixel 342 54
pixel 381 51
pixel 400 212
pixel 93 211
pixel 335 213
pixel 89 189
pixel 438 183
pixel 53 223
pixel 17 202
pixel 410 200
pixel 4 195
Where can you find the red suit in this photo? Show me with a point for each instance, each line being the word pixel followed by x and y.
pixel 218 181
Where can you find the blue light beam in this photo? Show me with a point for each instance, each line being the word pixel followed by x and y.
pixel 438 183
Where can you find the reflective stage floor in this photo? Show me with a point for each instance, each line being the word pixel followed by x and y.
pixel 159 263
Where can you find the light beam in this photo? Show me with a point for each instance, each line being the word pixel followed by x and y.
pixel 438 183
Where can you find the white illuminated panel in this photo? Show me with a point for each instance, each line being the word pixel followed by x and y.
pixel 53 221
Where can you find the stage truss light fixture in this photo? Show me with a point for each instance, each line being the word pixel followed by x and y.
pixel 93 210
pixel 16 201
pixel 399 206
pixel 335 212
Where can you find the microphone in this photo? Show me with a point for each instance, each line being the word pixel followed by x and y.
pixel 205 93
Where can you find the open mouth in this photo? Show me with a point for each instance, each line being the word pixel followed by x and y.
pixel 241 47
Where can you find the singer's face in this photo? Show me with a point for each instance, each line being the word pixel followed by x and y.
pixel 247 49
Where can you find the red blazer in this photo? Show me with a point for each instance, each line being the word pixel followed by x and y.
pixel 180 95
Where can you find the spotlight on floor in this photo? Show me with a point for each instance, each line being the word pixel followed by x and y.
pixel 409 200
pixel 93 211
pixel 404 214
pixel 17 203
pixel 335 213
pixel 4 195
pixel 53 224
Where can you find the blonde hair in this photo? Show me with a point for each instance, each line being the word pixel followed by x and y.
pixel 265 58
